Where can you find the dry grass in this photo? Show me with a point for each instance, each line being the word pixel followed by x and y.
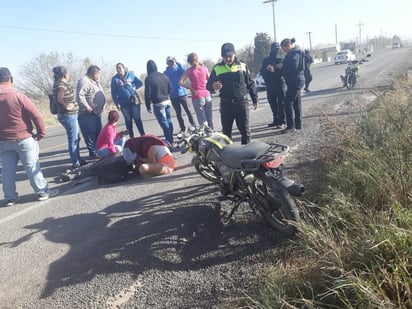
pixel 354 248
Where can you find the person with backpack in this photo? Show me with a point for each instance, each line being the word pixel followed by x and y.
pixel 292 70
pixel 307 73
pixel 150 156
pixel 67 112
pixel 124 87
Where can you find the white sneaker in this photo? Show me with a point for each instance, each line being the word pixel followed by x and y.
pixel 46 196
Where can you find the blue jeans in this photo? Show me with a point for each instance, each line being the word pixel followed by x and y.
pixel 70 124
pixel 204 112
pixel 164 118
pixel 118 144
pixel 90 126
pixel 27 151
pixel 132 112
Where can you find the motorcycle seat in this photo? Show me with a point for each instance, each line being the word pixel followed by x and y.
pixel 232 155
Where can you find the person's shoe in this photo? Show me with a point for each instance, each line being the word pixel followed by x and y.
pixel 12 202
pixel 307 90
pixel 298 128
pixel 279 126
pixel 270 125
pixel 287 130
pixel 45 196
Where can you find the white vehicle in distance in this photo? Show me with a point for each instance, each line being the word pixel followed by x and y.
pixel 260 83
pixel 344 56
pixel 396 45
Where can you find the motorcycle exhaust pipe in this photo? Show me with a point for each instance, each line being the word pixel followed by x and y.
pixel 294 189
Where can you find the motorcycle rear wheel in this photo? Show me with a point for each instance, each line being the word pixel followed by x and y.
pixel 208 171
pixel 275 205
pixel 351 81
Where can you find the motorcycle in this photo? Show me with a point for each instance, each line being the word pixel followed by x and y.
pixel 251 174
pixel 351 72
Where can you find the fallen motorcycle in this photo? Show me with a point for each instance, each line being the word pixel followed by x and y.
pixel 251 174
pixel 352 72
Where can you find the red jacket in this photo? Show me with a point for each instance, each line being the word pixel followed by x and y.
pixel 17 116
pixel 141 145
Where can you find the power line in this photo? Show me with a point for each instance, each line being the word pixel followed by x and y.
pixel 130 36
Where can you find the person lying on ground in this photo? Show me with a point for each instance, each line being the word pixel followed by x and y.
pixel 150 155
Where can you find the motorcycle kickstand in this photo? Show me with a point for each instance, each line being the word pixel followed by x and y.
pixel 229 217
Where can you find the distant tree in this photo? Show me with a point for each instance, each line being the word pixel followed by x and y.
pixel 262 49
pixel 209 63
pixel 36 79
pixel 245 54
pixel 396 39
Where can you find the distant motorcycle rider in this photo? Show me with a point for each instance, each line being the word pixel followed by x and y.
pixel 275 85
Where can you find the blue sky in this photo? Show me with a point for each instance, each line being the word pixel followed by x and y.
pixel 133 32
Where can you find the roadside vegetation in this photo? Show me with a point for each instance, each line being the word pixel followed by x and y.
pixel 354 246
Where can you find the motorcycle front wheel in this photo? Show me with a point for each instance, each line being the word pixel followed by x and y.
pixel 208 171
pixel 275 205
pixel 351 81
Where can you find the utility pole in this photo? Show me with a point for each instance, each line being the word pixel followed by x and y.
pixel 310 40
pixel 360 35
pixel 273 12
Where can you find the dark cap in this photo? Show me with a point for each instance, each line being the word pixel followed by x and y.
pixel 5 75
pixel 275 45
pixel 228 49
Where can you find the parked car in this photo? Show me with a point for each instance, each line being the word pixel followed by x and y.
pixel 260 82
pixel 344 56
pixel 396 45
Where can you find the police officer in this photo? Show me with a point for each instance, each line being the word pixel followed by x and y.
pixel 292 70
pixel 231 77
pixel 275 86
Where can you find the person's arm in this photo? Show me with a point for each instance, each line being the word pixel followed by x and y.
pixel 213 83
pixel 111 135
pixel 137 83
pixel 81 92
pixel 114 92
pixel 251 86
pixel 147 94
pixel 34 115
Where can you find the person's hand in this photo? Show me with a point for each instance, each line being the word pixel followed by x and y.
pixel 217 85
pixel 90 109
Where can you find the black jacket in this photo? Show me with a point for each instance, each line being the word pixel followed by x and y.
pixel 293 67
pixel 157 85
pixel 272 79
pixel 235 79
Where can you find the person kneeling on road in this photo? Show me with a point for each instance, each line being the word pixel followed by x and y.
pixel 150 155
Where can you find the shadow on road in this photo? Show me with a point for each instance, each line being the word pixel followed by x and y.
pixel 163 232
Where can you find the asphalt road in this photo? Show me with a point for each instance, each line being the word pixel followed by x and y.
pixel 157 243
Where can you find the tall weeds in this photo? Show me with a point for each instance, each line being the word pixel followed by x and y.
pixel 354 249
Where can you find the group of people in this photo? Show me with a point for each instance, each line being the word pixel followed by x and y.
pixel 79 110
pixel 285 79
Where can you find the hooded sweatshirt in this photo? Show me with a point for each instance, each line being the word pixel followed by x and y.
pixel 157 85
